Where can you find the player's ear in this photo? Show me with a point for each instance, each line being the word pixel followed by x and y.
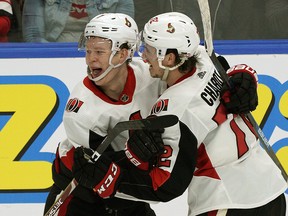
pixel 123 54
pixel 170 59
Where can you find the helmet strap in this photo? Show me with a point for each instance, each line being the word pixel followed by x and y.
pixel 165 75
pixel 167 69
pixel 111 66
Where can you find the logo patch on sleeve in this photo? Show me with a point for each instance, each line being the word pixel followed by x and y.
pixel 73 105
pixel 161 105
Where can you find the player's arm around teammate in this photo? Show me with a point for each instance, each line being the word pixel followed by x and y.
pixel 196 155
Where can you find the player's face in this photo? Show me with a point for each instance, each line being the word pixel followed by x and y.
pixel 98 51
pixel 149 55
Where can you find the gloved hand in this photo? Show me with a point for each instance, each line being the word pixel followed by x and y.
pixel 241 96
pixel 102 176
pixel 144 147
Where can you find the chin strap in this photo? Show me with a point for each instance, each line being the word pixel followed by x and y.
pixel 167 69
pixel 111 66
pixel 165 75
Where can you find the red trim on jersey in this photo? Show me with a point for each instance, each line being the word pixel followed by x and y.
pixel 186 75
pixel 250 126
pixel 57 161
pixel 68 160
pixel 204 164
pixel 242 146
pixel 63 208
pixel 128 90
pixel 7 1
pixel 158 177
pixel 212 213
pixel 135 116
pixel 221 114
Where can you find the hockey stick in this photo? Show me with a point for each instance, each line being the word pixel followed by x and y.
pixel 208 41
pixel 149 123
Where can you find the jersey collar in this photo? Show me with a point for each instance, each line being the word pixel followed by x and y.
pixel 126 95
pixel 185 76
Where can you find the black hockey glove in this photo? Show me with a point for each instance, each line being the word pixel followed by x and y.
pixel 102 176
pixel 241 96
pixel 144 147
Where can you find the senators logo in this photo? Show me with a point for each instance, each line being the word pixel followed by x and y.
pixel 171 28
pixel 161 105
pixel 73 105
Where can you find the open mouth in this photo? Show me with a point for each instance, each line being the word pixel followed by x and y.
pixel 95 72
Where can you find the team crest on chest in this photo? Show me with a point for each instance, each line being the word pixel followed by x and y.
pixel 161 105
pixel 124 98
pixel 73 105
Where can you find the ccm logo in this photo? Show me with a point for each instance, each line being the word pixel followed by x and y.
pixel 110 178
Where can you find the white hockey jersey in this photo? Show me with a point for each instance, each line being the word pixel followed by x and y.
pixel 90 114
pixel 232 170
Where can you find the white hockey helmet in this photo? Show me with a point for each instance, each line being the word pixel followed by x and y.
pixel 171 30
pixel 117 27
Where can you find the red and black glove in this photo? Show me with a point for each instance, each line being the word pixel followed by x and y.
pixel 144 147
pixel 241 96
pixel 102 176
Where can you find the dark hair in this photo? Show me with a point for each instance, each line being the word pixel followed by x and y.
pixel 126 46
pixel 187 66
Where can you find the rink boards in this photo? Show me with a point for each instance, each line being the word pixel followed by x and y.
pixel 35 81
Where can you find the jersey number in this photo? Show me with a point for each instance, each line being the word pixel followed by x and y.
pixel 220 116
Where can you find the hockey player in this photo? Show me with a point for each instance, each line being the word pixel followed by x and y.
pixel 233 174
pixel 106 96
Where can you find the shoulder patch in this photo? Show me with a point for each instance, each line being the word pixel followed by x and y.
pixel 73 105
pixel 161 105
